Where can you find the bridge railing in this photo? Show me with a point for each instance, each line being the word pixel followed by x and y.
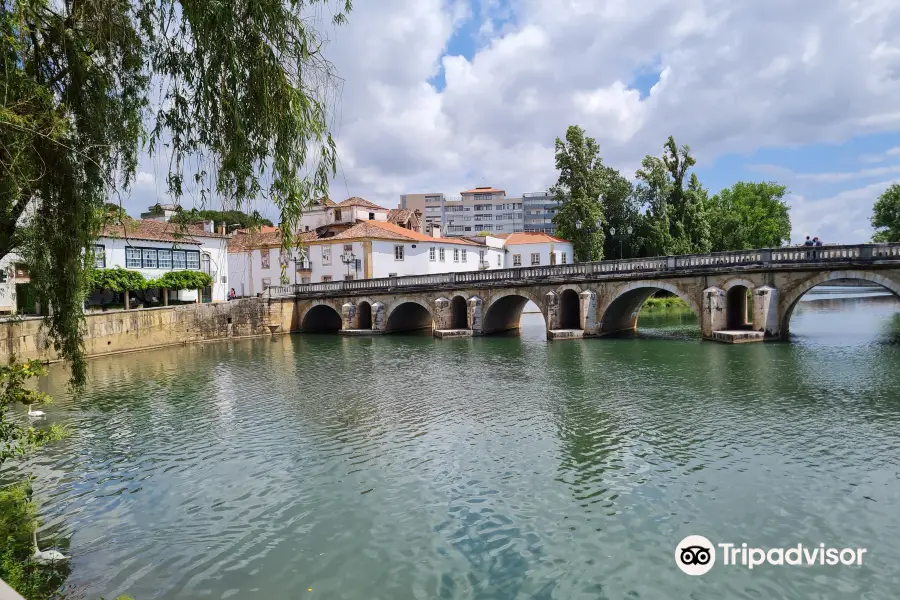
pixel 666 264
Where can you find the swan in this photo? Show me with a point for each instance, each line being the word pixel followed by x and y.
pixel 46 557
pixel 35 413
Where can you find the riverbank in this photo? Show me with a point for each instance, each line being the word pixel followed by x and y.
pixel 118 331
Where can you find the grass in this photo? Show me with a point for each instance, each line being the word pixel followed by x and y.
pixel 664 303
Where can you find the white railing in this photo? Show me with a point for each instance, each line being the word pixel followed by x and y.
pixel 819 255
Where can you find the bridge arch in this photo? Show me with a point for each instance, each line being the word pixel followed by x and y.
pixel 364 314
pixel 620 312
pixel 737 306
pixel 408 315
pixel 459 312
pixel 503 311
pixel 789 300
pixel 321 316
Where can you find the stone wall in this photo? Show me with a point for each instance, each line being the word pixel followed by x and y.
pixel 132 330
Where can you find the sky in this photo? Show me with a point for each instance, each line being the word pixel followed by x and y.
pixel 446 95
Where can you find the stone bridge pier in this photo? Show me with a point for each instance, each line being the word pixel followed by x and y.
pixel 732 305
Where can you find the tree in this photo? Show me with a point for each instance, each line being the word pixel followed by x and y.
pixel 241 86
pixel 886 215
pixel 750 215
pixel 620 209
pixel 676 220
pixel 578 191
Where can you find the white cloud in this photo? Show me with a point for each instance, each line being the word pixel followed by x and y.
pixel 736 76
pixel 842 218
pixel 875 158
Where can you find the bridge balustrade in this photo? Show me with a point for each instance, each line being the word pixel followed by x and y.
pixel 663 265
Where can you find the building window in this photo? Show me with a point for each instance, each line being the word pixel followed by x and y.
pixel 498 228
pixel 348 277
pixel 165 259
pixel 464 255
pixel 431 254
pixel 498 260
pixel 178 260
pixel 193 260
pixel 535 258
pixel 264 258
pixel 517 260
pixel 100 256
pixel 371 216
pixel 304 280
pixel 326 256
pixel 326 278
pixel 348 248
pixel 563 259
pixel 132 258
pixel 266 281
pixel 337 214
pixel 456 255
pixel 441 254
pixel 398 252
pixel 149 258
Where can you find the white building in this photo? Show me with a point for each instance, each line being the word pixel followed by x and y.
pixel 12 273
pixel 366 250
pixel 154 248
pixel 532 249
pixel 326 212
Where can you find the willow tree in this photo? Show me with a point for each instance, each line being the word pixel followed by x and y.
pixel 238 88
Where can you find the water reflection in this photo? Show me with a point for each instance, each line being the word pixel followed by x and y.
pixel 406 467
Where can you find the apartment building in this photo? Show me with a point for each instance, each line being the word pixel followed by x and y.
pixel 482 209
pixel 539 209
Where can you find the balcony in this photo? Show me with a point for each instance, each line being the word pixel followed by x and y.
pixel 303 266
pixel 483 265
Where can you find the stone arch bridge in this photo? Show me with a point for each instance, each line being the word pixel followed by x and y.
pixel 738 296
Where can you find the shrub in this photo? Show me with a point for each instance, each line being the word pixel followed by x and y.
pixel 117 280
pixel 182 280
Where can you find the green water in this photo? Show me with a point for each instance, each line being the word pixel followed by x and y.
pixel 405 467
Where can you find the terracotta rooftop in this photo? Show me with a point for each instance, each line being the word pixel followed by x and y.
pixel 389 231
pixel 484 190
pixel 527 237
pixel 400 215
pixel 357 201
pixel 243 241
pixel 324 201
pixel 158 231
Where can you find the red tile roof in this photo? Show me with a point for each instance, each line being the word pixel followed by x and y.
pixel 401 215
pixel 484 190
pixel 357 201
pixel 158 231
pixel 390 231
pixel 242 241
pixel 528 237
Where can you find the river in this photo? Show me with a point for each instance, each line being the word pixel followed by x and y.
pixel 406 467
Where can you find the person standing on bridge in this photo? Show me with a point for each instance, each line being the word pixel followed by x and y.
pixel 817 241
pixel 808 242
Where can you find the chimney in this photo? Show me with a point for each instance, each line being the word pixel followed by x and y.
pixel 222 227
pixel 209 226
pixel 435 230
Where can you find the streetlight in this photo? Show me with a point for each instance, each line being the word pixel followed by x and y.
pixel 628 231
pixel 348 258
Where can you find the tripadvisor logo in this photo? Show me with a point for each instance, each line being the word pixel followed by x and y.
pixel 696 555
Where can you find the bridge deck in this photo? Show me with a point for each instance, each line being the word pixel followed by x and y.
pixel 772 259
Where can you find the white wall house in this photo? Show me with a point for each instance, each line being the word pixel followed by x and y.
pixel 369 249
pixel 154 248
pixel 531 249
pixel 326 212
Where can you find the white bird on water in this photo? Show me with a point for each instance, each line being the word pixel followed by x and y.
pixel 35 413
pixel 46 557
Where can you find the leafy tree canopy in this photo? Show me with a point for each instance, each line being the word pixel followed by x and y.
pixel 182 280
pixel 750 215
pixel 578 191
pixel 886 215
pixel 240 86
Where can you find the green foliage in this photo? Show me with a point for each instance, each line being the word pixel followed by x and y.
pixel 676 219
pixel 233 219
pixel 244 90
pixel 182 280
pixel 664 303
pixel 750 215
pixel 117 280
pixel 886 215
pixel 578 190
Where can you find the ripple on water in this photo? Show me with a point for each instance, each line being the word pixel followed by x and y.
pixel 501 468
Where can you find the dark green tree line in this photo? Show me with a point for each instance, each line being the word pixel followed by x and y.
pixel 667 211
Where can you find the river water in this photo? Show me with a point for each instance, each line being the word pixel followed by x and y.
pixel 405 467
